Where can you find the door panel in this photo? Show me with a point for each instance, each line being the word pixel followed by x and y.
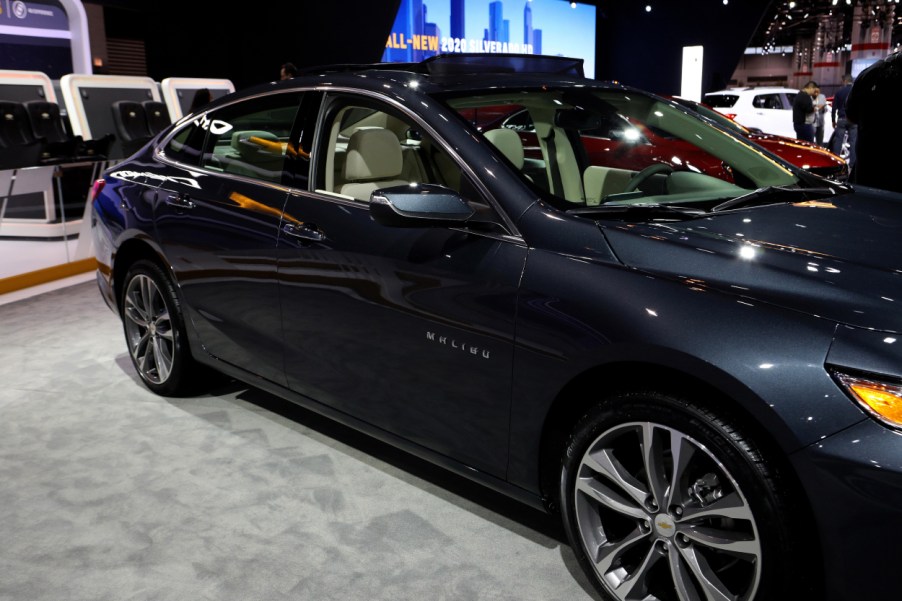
pixel 221 247
pixel 408 329
pixel 219 228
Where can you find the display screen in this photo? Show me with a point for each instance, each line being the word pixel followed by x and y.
pixel 425 28
pixel 34 36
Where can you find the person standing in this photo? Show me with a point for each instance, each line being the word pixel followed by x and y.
pixel 803 112
pixel 202 97
pixel 873 104
pixel 842 127
pixel 820 109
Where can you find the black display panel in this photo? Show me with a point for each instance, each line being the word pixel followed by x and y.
pixel 47 55
pixel 98 108
pixel 20 93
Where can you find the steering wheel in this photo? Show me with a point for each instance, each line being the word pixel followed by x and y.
pixel 646 173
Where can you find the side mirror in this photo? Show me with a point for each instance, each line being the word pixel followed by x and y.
pixel 419 205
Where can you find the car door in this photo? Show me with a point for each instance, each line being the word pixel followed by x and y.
pixel 218 217
pixel 409 329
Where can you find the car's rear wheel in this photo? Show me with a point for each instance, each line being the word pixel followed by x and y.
pixel 664 500
pixel 155 331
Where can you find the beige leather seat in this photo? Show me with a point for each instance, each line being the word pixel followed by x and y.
pixel 509 143
pixel 600 182
pixel 374 160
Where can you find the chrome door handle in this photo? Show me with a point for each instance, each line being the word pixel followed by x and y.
pixel 180 201
pixel 305 231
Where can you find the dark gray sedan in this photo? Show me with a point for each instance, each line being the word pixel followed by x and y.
pixel 695 361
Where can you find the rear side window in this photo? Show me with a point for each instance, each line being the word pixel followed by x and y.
pixel 187 145
pixel 721 101
pixel 251 138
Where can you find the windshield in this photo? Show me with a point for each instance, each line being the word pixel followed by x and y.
pixel 587 147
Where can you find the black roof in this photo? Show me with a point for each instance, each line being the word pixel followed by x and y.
pixel 467 63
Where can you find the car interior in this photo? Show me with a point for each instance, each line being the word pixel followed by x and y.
pixel 562 129
pixel 585 151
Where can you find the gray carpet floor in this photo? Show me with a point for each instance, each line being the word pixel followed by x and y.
pixel 109 492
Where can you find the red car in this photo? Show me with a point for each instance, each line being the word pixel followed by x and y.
pixel 802 154
pixel 617 142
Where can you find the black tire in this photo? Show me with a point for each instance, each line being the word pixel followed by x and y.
pixel 155 331
pixel 647 541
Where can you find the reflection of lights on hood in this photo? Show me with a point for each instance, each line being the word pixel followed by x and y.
pixel 766 365
pixel 815 204
pixel 676 160
pixel 631 134
pixel 747 252
pixel 651 312
pixel 889 340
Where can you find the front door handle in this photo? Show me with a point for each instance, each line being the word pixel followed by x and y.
pixel 305 231
pixel 180 201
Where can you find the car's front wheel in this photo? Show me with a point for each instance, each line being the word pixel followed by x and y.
pixel 154 330
pixel 664 500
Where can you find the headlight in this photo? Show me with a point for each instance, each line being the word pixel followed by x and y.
pixel 881 399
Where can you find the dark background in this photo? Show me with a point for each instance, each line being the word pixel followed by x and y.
pixel 248 45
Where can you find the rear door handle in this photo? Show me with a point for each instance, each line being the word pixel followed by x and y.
pixel 305 231
pixel 180 201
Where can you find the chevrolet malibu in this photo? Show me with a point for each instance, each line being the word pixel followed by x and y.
pixel 701 374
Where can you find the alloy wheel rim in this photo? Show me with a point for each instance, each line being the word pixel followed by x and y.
pixel 148 328
pixel 650 540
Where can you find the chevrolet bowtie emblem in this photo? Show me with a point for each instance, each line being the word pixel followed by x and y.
pixel 665 525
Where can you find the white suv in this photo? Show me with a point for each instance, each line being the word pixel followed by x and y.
pixel 767 109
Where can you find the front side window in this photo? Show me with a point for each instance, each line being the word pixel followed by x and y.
pixel 369 146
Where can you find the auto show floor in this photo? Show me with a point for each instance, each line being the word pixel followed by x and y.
pixel 109 492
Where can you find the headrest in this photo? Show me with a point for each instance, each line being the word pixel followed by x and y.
pixel 43 110
pixel 128 109
pixel 253 143
pixel 373 154
pixel 508 142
